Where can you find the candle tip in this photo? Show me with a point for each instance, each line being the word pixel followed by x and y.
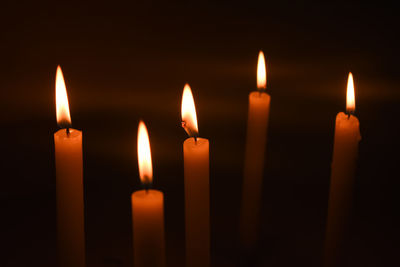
pixel 144 155
pixel 350 96
pixel 62 107
pixel 188 112
pixel 261 72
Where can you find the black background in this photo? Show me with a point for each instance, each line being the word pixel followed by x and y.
pixel 126 61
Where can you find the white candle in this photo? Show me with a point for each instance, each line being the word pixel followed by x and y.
pixel 147 211
pixel 69 184
pixel 197 187
pixel 344 161
pixel 256 138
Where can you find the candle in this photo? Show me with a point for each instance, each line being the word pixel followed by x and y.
pixel 197 187
pixel 345 150
pixel 147 211
pixel 256 138
pixel 69 184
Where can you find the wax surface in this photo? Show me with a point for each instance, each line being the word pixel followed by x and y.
pixel 344 162
pixel 70 200
pixel 148 228
pixel 256 138
pixel 197 201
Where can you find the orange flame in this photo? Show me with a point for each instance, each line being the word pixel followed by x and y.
pixel 188 110
pixel 261 72
pixel 62 107
pixel 144 154
pixel 350 99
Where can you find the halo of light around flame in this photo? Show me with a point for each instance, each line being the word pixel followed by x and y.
pixel 188 112
pixel 144 154
pixel 261 72
pixel 350 98
pixel 62 106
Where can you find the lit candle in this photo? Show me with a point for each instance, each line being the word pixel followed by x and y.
pixel 256 138
pixel 69 184
pixel 345 150
pixel 197 187
pixel 147 211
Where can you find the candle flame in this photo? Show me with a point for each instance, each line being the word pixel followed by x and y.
pixel 350 99
pixel 144 154
pixel 62 107
pixel 261 72
pixel 189 118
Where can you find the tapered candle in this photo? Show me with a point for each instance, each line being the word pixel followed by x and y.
pixel 147 211
pixel 197 187
pixel 256 138
pixel 345 151
pixel 69 184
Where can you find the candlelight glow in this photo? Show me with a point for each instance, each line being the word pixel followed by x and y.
pixel 350 100
pixel 261 72
pixel 144 154
pixel 189 118
pixel 62 107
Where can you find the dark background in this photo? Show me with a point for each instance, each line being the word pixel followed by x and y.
pixel 126 61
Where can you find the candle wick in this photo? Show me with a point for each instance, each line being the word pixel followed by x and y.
pixel 68 131
pixel 183 124
pixel 349 112
pixel 147 187
pixel 261 90
pixel 146 184
pixel 187 130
